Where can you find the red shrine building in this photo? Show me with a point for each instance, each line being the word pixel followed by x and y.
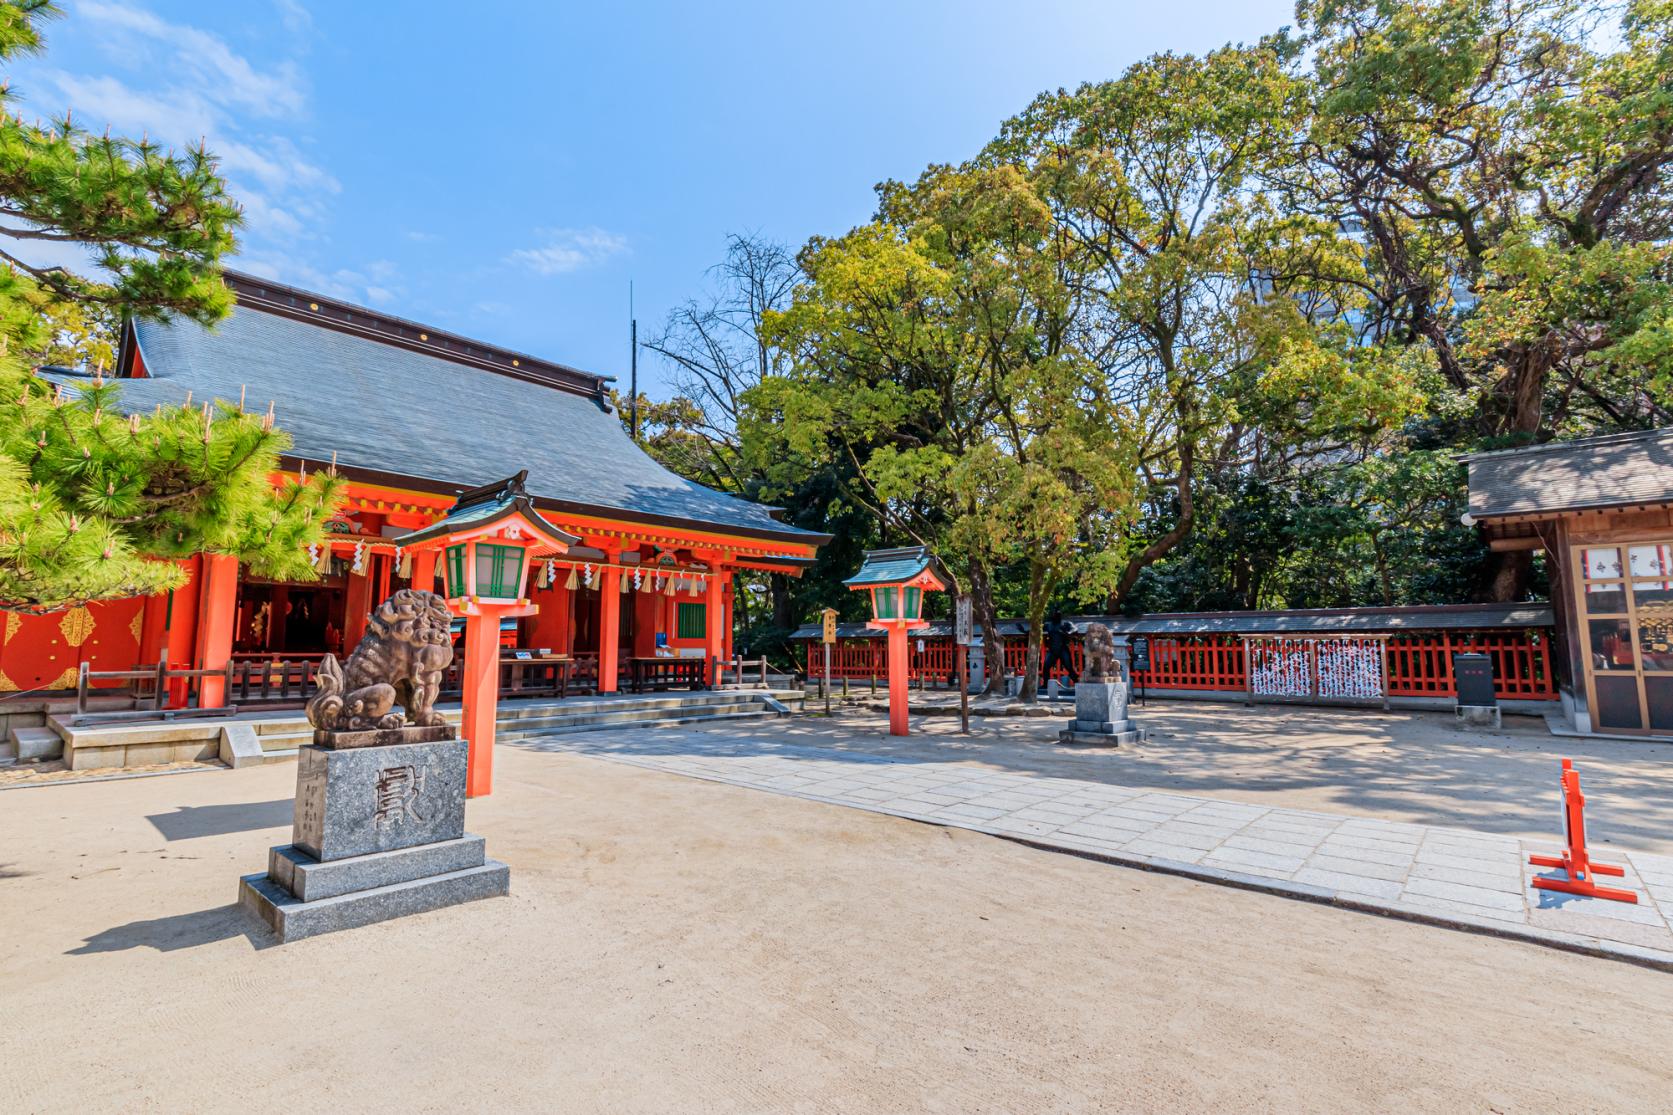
pixel 412 416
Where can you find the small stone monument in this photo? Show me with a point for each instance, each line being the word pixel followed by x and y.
pixel 1100 697
pixel 379 827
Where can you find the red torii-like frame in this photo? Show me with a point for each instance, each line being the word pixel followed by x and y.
pixel 486 540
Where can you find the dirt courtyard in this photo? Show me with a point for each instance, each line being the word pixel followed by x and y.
pixel 1400 766
pixel 677 945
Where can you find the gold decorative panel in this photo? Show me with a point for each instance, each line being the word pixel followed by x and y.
pixel 76 625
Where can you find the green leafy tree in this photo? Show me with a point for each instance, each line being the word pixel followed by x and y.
pixel 1505 163
pixel 933 350
pixel 95 502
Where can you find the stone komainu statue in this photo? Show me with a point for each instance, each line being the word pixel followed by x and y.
pixel 407 647
pixel 1098 654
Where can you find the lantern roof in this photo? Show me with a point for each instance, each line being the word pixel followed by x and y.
pixel 479 510
pixel 901 566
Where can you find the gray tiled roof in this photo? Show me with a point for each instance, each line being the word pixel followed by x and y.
pixel 1611 471
pixel 1301 621
pixel 389 409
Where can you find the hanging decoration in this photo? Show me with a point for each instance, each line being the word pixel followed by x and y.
pixel 638 575
pixel 571 583
pixel 403 564
pixel 587 574
pixel 313 555
pixel 622 585
pixel 543 578
pixel 669 591
pixel 692 585
pixel 358 564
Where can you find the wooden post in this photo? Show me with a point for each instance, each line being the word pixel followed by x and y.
pixel 609 626
pixel 714 617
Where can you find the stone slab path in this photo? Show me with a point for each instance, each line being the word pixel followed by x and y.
pixel 1447 876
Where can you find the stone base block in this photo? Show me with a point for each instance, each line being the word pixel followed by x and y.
pixel 378 799
pixel 310 880
pixel 293 919
pixel 1072 738
pixel 384 737
pixel 1479 716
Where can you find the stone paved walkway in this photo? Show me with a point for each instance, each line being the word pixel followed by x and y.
pixel 1457 877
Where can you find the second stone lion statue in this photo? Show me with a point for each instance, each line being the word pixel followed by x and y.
pixel 407 647
pixel 1098 651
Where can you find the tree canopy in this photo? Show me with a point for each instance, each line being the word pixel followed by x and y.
pixel 1214 332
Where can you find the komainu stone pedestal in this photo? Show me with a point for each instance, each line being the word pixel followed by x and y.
pixel 379 833
pixel 1101 716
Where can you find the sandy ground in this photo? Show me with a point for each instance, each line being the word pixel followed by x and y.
pixel 1400 766
pixel 676 945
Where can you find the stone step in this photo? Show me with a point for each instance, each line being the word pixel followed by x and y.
pixel 292 919
pixel 623 717
pixel 31 744
pixel 670 722
pixel 516 710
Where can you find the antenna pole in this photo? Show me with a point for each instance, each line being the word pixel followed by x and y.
pixel 633 363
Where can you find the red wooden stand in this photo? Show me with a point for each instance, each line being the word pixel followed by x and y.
pixel 1574 861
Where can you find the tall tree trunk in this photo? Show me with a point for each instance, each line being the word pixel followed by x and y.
pixel 987 615
pixel 1521 411
pixel 1038 593
pixel 1165 544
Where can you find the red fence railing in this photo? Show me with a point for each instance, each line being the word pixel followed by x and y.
pixel 1419 664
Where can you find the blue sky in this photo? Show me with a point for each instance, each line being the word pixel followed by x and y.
pixel 506 173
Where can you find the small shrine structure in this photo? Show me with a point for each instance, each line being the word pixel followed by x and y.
pixel 1602 510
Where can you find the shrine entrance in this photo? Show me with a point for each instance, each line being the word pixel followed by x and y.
pixel 1316 668
pixel 1625 601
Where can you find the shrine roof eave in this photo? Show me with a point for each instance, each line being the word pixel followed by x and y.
pixel 554 539
pixel 626 517
pixel 902 566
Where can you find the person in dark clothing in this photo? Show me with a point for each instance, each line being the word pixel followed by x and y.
pixel 1057 635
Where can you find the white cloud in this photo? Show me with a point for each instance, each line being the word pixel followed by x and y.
pixel 297 19
pixel 226 76
pixel 569 249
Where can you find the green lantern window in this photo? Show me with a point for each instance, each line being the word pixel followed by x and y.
pixel 886 602
pixel 456 586
pixel 499 571
pixel 914 602
pixel 692 621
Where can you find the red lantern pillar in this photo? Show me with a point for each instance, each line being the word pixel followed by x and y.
pixel 899 687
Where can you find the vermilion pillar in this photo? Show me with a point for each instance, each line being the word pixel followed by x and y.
pixel 215 625
pixel 714 617
pixel 482 699
pixel 898 688
pixel 424 571
pixel 609 627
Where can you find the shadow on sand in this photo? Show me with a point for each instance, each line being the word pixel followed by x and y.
pixel 179 931
pixel 188 822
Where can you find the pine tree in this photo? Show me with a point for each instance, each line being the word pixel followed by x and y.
pixel 95 502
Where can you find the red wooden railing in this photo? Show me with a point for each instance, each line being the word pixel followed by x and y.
pixel 1419 665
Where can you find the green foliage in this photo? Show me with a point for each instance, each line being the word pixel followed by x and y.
pixel 1213 333
pixel 94 502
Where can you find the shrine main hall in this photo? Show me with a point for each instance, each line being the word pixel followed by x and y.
pixel 412 416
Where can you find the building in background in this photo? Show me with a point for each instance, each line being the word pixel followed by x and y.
pixel 412 416
pixel 1602 509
